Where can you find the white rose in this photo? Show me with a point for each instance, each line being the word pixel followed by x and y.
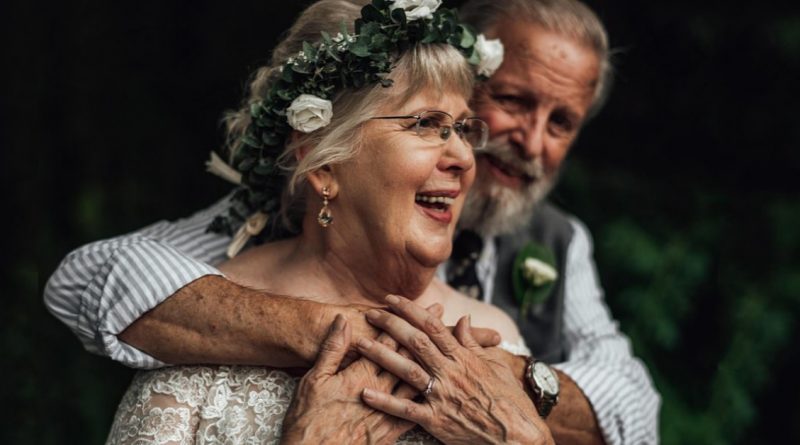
pixel 538 272
pixel 491 54
pixel 308 113
pixel 418 9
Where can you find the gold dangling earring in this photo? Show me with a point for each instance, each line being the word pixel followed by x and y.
pixel 324 218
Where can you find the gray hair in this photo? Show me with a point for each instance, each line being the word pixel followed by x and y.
pixel 569 18
pixel 436 68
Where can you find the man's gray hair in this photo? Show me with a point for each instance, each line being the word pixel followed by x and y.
pixel 569 18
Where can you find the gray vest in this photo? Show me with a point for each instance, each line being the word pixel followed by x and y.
pixel 542 326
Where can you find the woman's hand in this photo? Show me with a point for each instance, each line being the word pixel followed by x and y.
pixel 327 406
pixel 471 397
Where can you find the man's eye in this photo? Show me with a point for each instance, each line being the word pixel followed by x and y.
pixel 562 123
pixel 510 101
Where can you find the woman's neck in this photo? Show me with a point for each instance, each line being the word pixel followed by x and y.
pixel 323 265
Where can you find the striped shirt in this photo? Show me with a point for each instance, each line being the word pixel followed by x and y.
pixel 103 287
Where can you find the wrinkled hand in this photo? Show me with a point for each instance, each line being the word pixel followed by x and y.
pixel 327 406
pixel 361 328
pixel 475 398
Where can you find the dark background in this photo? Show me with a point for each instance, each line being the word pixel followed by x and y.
pixel 688 180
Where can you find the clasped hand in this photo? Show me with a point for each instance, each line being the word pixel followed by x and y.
pixel 473 398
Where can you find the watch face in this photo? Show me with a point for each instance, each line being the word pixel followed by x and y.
pixel 545 378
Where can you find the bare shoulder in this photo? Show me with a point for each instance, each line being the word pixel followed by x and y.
pixel 483 315
pixel 248 267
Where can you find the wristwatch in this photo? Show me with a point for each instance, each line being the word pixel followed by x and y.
pixel 543 382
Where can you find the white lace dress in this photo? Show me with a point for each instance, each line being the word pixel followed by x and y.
pixel 216 405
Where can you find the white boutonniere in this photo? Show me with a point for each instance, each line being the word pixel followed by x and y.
pixel 417 9
pixel 308 113
pixel 538 272
pixel 491 53
pixel 534 276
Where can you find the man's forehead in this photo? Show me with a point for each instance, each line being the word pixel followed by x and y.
pixel 531 51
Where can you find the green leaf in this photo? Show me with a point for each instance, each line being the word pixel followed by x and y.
pixel 380 4
pixel 309 51
pixel 285 95
pixel 474 58
pixel 246 164
pixel 467 38
pixel 371 14
pixel 326 38
pixel 399 16
pixel 251 141
pixel 360 48
pixel 265 166
pixel 271 139
pixel 286 74
pixel 300 67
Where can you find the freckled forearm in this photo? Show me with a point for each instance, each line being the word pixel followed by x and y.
pixel 215 321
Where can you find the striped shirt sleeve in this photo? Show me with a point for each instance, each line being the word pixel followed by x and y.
pixel 101 288
pixel 600 358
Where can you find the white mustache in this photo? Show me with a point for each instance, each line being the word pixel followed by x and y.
pixel 507 155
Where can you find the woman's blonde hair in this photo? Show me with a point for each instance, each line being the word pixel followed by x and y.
pixel 436 68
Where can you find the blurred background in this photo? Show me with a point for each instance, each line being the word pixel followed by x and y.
pixel 688 180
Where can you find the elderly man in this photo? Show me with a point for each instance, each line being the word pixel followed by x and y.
pixel 152 297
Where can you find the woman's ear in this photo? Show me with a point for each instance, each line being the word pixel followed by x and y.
pixel 300 151
pixel 324 176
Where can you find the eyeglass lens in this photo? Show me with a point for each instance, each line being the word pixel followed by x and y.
pixel 435 126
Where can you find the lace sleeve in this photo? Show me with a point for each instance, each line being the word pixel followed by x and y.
pixel 211 405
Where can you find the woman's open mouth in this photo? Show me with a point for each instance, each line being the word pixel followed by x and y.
pixel 436 205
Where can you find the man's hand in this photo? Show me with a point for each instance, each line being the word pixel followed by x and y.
pixel 327 406
pixel 572 421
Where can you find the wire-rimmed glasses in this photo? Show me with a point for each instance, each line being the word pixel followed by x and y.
pixel 437 127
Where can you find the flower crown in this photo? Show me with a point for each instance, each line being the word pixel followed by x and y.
pixel 300 97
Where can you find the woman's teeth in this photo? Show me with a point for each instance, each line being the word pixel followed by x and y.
pixel 434 199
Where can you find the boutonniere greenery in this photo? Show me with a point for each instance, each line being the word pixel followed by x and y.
pixel 534 275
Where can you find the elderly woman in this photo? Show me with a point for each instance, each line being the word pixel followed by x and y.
pixel 367 138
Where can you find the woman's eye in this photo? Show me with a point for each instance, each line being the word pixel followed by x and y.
pixel 427 122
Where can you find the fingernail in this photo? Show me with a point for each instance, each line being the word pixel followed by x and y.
pixel 372 314
pixel 469 320
pixel 364 343
pixel 392 299
pixel 497 339
pixel 368 393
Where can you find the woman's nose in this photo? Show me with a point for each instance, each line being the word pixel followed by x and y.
pixel 458 156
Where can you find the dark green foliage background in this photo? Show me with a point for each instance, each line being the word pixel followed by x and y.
pixel 688 180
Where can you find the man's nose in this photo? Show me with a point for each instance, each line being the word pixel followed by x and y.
pixel 529 137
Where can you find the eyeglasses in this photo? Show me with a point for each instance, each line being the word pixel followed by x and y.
pixel 437 126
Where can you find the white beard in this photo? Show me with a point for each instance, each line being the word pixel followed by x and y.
pixel 493 209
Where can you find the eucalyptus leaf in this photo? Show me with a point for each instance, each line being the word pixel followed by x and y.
pixel 246 164
pixel 326 38
pixel 360 48
pixel 398 16
pixel 371 14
